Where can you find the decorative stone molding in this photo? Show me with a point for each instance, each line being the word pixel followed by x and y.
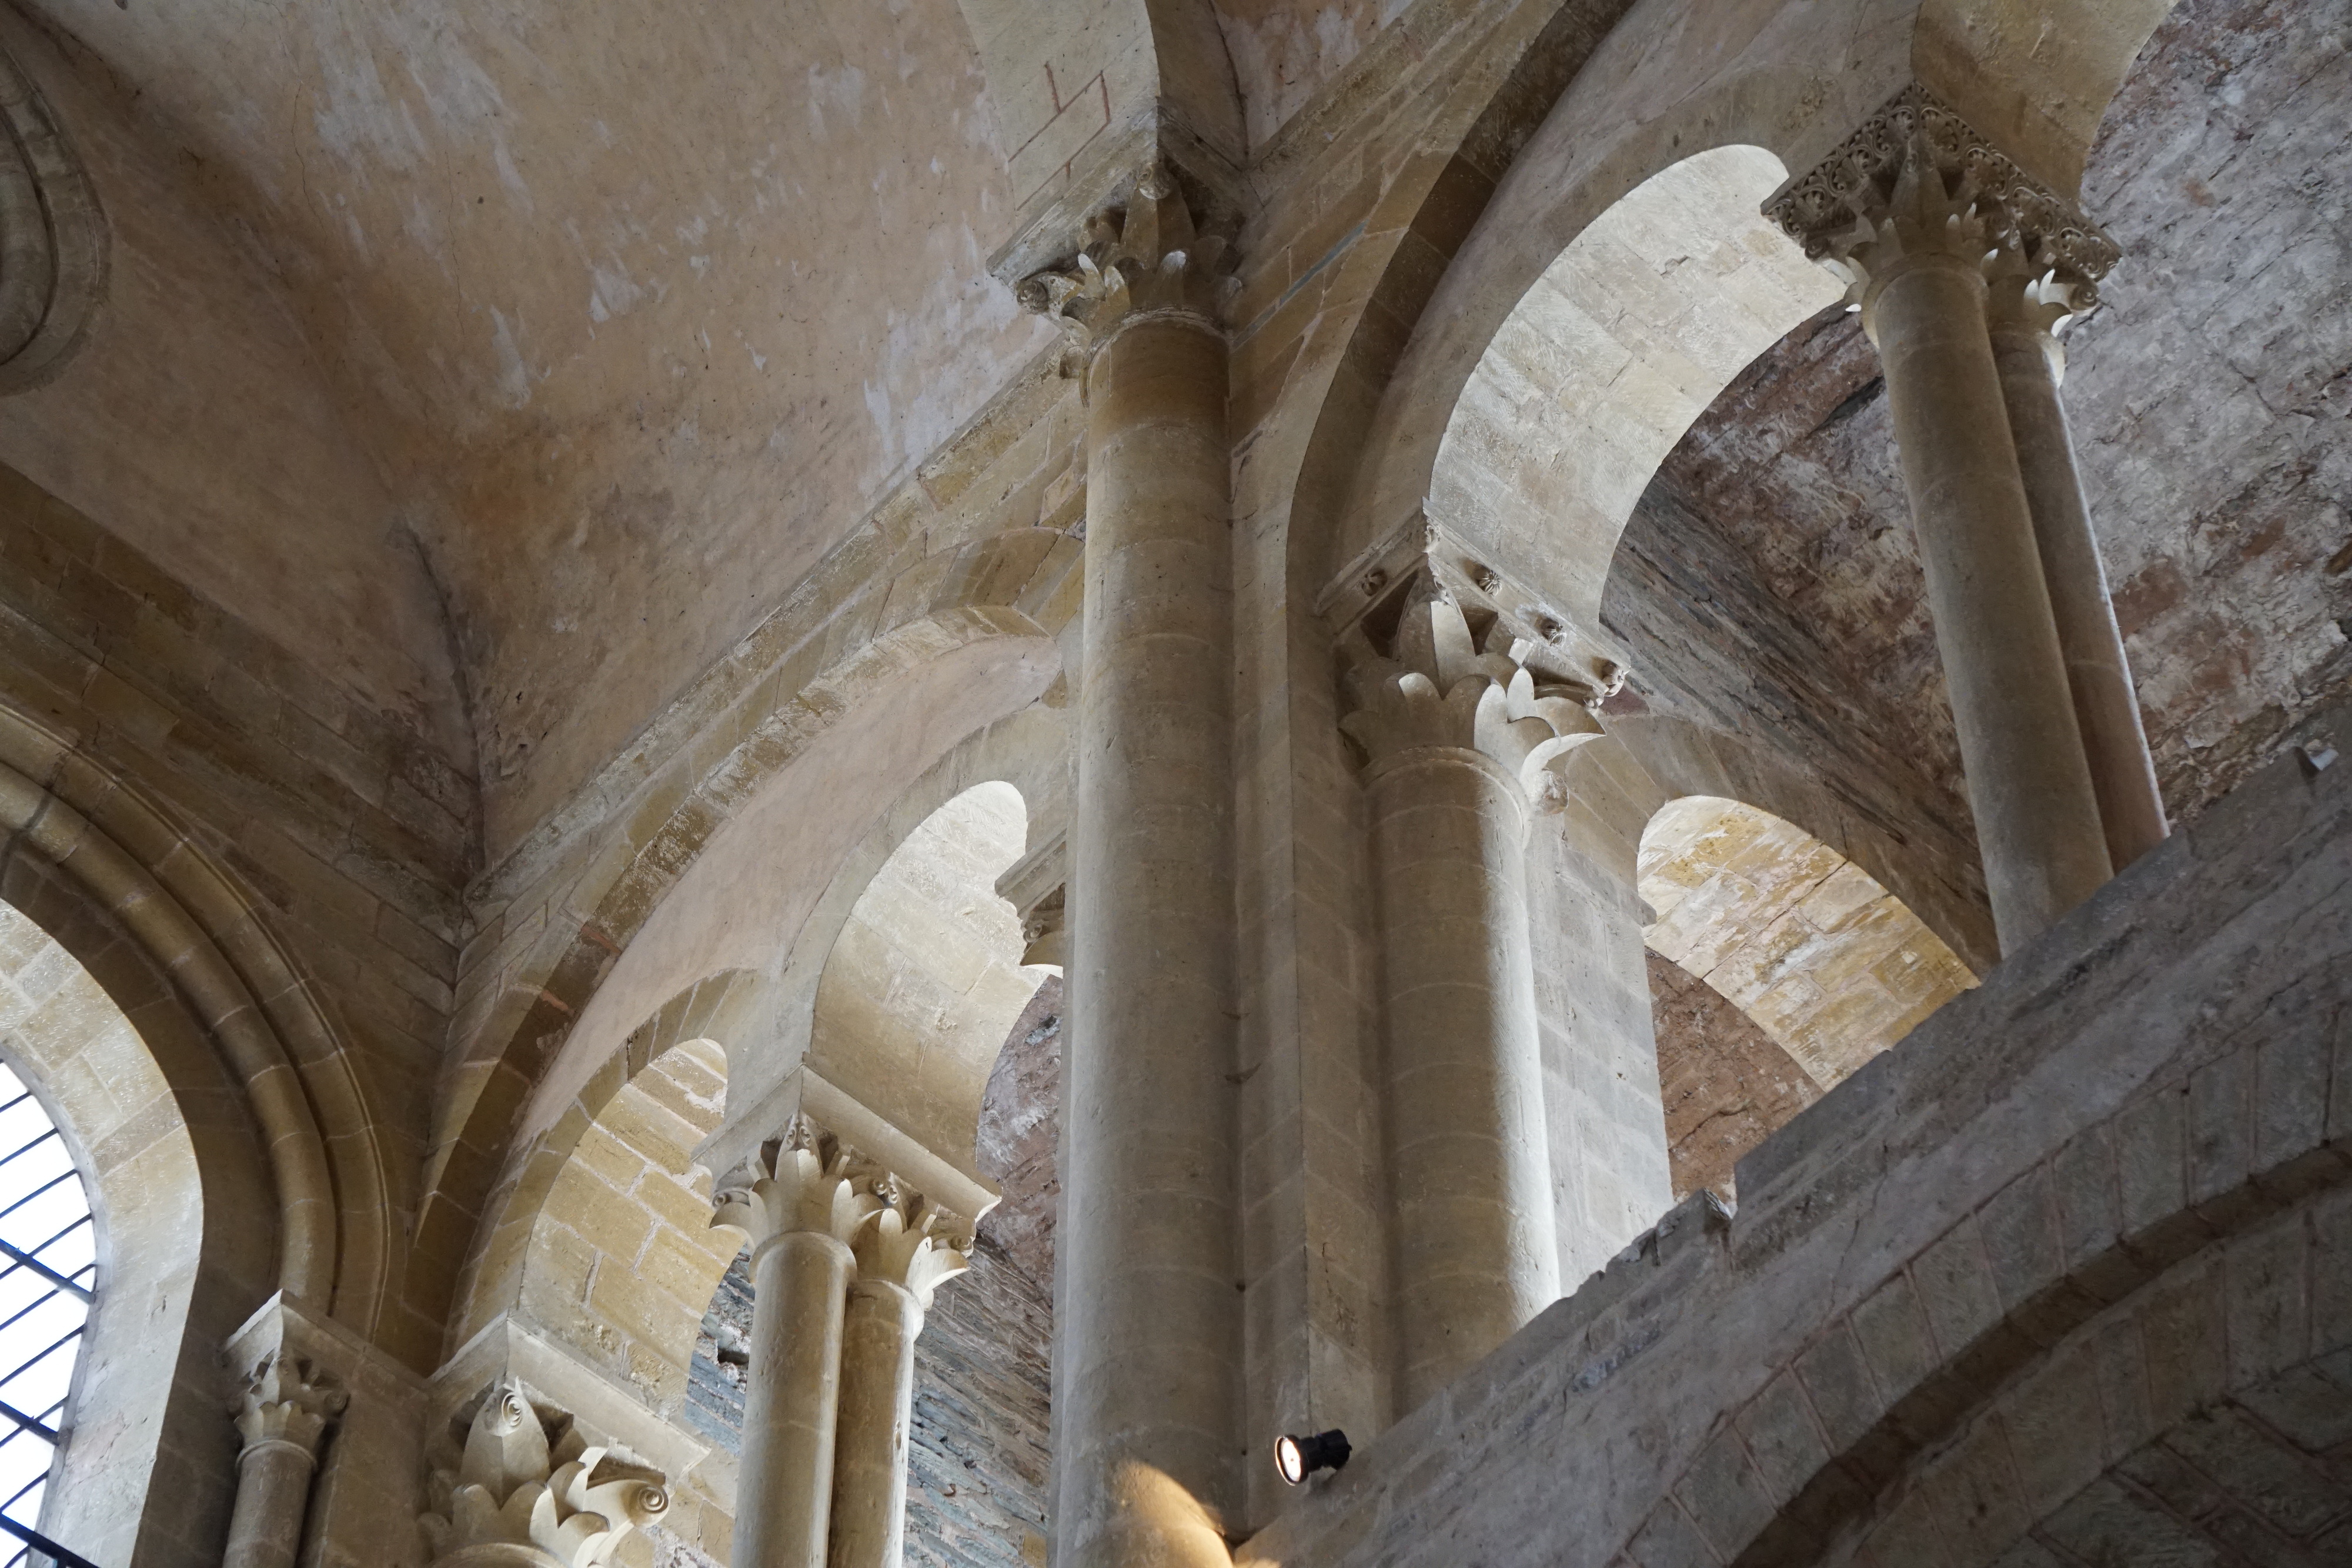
pixel 803 1180
pixel 1580 659
pixel 1147 259
pixel 1436 686
pixel 2020 296
pixel 1034 886
pixel 288 1402
pixel 513 1483
pixel 1916 177
pixel 911 1242
pixel 54 235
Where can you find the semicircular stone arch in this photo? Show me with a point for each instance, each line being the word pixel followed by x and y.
pixel 177 1269
pixel 924 980
pixel 2180 1260
pixel 1644 101
pixel 625 1128
pixel 1605 362
pixel 176 938
pixel 659 906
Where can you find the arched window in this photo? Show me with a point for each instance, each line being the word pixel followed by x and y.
pixel 48 1280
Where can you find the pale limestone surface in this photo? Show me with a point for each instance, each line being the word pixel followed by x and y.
pixel 622 1259
pixel 631 895
pixel 144 1396
pixel 1604 362
pixel 925 978
pixel 1830 965
pixel 1962 1290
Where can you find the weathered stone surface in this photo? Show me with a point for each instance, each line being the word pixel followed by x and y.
pixel 1020 1135
pixel 1869 1221
pixel 1725 1084
pixel 2211 435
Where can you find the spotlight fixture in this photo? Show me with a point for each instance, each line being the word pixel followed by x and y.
pixel 1295 1458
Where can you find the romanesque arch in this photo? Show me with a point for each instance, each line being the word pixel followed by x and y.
pixel 89 859
pixel 1653 95
pixel 142 1395
pixel 957 646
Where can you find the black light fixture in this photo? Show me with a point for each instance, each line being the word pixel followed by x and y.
pixel 1295 1458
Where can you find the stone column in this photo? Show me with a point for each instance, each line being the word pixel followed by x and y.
pixel 1458 741
pixel 1909 212
pixel 1148 1448
pixel 907 1249
pixel 800 1204
pixel 282 1415
pixel 2030 301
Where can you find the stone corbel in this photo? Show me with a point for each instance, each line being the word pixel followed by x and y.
pixel 1034 886
pixel 515 1482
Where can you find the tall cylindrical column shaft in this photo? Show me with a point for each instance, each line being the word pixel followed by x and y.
pixel 1476 1254
pixel 878 1407
pixel 2037 819
pixel 273 1497
pixel 800 1280
pixel 2106 708
pixel 1152 1337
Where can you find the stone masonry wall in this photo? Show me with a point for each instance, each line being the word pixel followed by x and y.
pixel 351 830
pixel 2098 1146
pixel 1725 1083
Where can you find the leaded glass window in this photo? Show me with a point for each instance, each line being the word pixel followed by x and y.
pixel 48 1279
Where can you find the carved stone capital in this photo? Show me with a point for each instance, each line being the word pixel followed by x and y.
pixel 1916 179
pixel 513 1482
pixel 288 1401
pixel 1433 686
pixel 803 1179
pixel 2038 306
pixel 911 1242
pixel 1147 259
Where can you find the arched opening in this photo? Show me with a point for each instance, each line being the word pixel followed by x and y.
pixel 925 977
pixel 922 994
pixel 49 1286
pixel 1605 362
pixel 1778 968
pixel 101 1219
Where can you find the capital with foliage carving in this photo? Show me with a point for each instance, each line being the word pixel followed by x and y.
pixel 911 1242
pixel 804 1179
pixel 517 1484
pixel 1434 686
pixel 1917 178
pixel 1147 259
pixel 288 1402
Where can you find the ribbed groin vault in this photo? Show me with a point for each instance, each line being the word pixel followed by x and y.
pixel 1174 783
